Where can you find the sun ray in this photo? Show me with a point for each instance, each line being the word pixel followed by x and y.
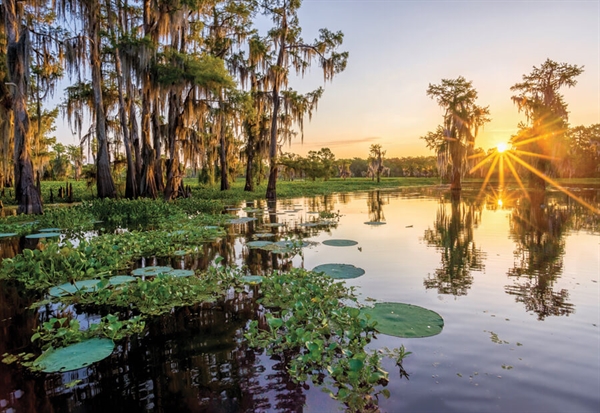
pixel 554 183
pixel 516 175
pixel 482 162
pixel 535 155
pixel 488 175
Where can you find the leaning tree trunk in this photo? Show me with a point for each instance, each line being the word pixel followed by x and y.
pixel 104 180
pixel 272 184
pixel 18 49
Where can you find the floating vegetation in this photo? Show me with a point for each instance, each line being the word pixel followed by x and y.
pixel 404 320
pixel 71 288
pixel 340 242
pixel 121 279
pixel 180 253
pixel 375 223
pixel 263 235
pixel 151 271
pixel 43 235
pixel 242 220
pixel 340 271
pixel 49 230
pixel 75 356
pixel 8 234
pixel 252 210
pixel 309 322
pixel 310 224
pixel 292 244
pixel 273 224
pixel 258 244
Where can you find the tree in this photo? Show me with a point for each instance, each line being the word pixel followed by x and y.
pixel 462 119
pixel 583 157
pixel 18 53
pixel 376 161
pixel 292 53
pixel 541 139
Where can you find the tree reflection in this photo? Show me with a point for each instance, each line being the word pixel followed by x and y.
pixel 452 235
pixel 375 204
pixel 538 229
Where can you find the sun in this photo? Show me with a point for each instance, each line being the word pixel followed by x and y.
pixel 501 147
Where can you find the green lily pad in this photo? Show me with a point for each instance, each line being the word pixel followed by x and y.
pixel 49 230
pixel 312 212
pixel 242 220
pixel 211 227
pixel 258 244
pixel 264 235
pixel 340 271
pixel 121 279
pixel 273 224
pixel 251 210
pixel 43 235
pixel 8 234
pixel 340 242
pixel 70 289
pixel 181 273
pixel 180 253
pixel 75 356
pixel 178 232
pixel 252 279
pixel 151 271
pixel 374 223
pixel 404 320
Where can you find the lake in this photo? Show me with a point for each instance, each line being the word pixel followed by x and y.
pixel 513 274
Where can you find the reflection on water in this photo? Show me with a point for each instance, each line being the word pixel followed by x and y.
pixel 498 262
pixel 452 235
pixel 538 228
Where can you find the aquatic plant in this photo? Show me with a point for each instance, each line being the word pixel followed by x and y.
pixel 313 322
pixel 404 320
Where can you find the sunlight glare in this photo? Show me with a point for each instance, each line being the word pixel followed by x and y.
pixel 502 146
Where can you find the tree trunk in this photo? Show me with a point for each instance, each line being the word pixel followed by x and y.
pixel 249 187
pixel 223 153
pixel 172 183
pixel 157 135
pixel 18 50
pixel 130 179
pixel 147 181
pixel 104 180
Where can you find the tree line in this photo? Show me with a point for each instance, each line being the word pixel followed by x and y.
pixel 173 83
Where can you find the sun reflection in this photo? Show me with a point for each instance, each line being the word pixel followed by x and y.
pixel 506 158
pixel 500 203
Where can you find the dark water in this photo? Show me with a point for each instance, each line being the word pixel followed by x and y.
pixel 514 276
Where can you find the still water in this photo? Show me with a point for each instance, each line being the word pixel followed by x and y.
pixel 514 275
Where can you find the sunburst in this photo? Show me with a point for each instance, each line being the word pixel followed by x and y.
pixel 504 156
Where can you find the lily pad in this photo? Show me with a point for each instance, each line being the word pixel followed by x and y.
pixel 404 320
pixel 69 289
pixel 7 234
pixel 340 242
pixel 340 271
pixel 309 224
pixel 251 210
pixel 180 253
pixel 242 220
pixel 151 271
pixel 181 273
pixel 258 244
pixel 374 223
pixel 264 235
pixel 252 279
pixel 121 279
pixel 43 235
pixel 49 230
pixel 273 224
pixel 75 356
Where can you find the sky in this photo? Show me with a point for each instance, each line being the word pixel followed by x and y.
pixel 397 48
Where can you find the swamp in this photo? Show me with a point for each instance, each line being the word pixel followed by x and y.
pixel 419 301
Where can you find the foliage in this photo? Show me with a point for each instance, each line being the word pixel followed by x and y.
pixel 314 324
